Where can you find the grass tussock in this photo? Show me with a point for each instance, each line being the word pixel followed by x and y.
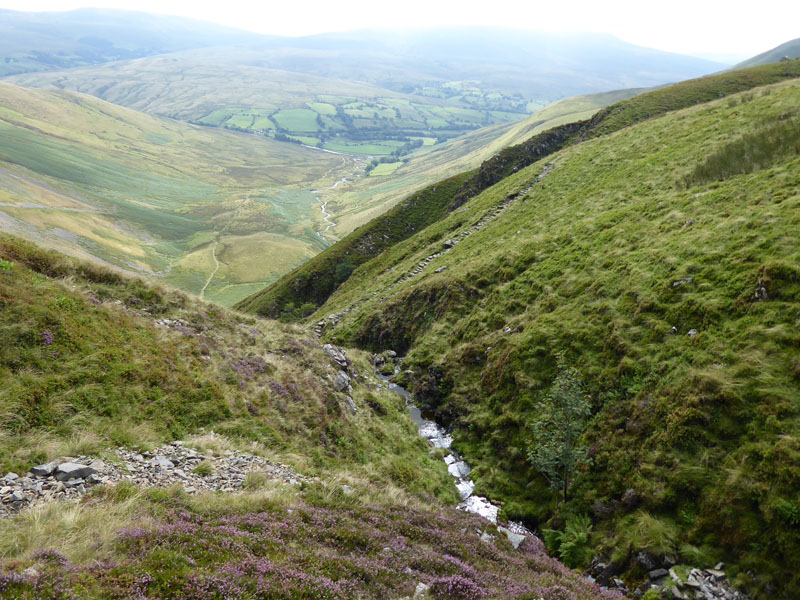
pixel 760 149
pixel 677 307
pixel 80 531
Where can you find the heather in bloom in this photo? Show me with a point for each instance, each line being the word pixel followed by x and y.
pixel 310 551
pixel 47 338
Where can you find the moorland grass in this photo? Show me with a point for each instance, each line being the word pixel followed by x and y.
pixel 600 261
pixel 294 288
pixel 85 367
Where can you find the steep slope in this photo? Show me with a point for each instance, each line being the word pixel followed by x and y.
pixel 157 196
pixel 790 49
pixel 659 261
pixel 316 280
pixel 92 361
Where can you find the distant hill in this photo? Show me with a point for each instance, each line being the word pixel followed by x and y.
pixel 46 41
pixel 534 64
pixel 368 92
pixel 790 49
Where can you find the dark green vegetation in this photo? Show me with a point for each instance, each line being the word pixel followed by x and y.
pixel 85 365
pixel 790 49
pixel 92 360
pixel 678 306
pixel 315 281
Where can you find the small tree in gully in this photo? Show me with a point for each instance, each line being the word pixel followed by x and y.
pixel 555 449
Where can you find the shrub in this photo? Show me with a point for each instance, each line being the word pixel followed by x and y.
pixel 572 545
pixel 456 587
pixel 555 450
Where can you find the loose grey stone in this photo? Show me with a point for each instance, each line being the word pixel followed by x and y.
pixel 684 281
pixel 515 538
pixel 658 574
pixel 45 469
pixel 421 591
pixel 161 462
pixel 341 381
pixel 71 470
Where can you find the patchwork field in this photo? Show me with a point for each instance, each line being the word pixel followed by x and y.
pixel 155 196
pixel 225 88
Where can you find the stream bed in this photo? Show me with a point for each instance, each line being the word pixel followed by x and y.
pixel 458 468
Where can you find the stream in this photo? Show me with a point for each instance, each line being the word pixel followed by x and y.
pixel 326 216
pixel 457 467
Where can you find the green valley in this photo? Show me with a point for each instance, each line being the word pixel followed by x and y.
pixel 455 312
pixel 658 260
pixel 156 196
pixel 515 148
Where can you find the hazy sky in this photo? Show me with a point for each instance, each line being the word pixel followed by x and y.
pixel 686 26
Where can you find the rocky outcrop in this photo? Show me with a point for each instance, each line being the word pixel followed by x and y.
pixel 71 477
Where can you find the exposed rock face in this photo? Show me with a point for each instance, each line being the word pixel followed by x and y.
pixel 338 356
pixel 342 381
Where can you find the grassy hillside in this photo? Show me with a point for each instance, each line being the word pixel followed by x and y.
pixel 625 113
pixel 91 360
pixel 158 196
pixel 303 290
pixel 313 282
pixel 658 261
pixel 790 49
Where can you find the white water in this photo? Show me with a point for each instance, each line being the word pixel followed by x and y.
pixel 458 468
